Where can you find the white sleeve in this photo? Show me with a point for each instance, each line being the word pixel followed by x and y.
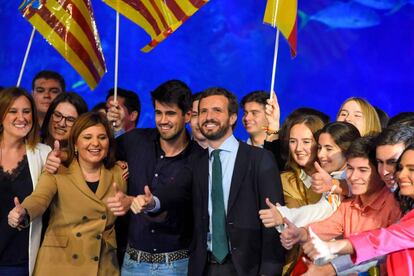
pixel 307 214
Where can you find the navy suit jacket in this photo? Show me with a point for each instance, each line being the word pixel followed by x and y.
pixel 255 250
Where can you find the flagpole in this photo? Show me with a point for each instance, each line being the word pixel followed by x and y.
pixel 116 57
pixel 29 45
pixel 276 51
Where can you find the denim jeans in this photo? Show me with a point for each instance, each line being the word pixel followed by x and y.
pixel 135 268
pixel 18 270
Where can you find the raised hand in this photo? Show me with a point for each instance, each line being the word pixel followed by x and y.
pixel 115 115
pixel 291 235
pixel 119 203
pixel 321 180
pixel 143 202
pixel 273 113
pixel 54 159
pixel 316 249
pixel 270 217
pixel 16 215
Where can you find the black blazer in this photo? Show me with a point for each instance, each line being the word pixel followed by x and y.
pixel 255 249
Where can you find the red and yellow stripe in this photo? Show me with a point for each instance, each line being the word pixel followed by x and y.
pixel 159 18
pixel 69 26
pixel 285 21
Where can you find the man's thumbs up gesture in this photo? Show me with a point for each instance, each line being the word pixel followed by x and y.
pixel 143 202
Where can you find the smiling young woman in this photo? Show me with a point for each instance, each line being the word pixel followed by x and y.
pixel 361 114
pixel 60 117
pixel 300 166
pixel 334 140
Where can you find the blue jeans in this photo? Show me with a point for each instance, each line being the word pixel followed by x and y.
pixel 17 270
pixel 135 268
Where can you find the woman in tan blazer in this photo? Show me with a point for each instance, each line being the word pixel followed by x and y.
pixel 80 238
pixel 296 180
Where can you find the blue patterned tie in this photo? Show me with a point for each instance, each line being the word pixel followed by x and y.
pixel 219 239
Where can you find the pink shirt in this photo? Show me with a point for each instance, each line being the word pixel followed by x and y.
pixel 398 238
pixel 351 217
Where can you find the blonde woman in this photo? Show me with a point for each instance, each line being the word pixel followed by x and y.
pixel 361 114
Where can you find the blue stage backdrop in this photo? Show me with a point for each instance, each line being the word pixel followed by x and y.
pixel 345 48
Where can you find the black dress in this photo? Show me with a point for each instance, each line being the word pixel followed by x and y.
pixel 14 244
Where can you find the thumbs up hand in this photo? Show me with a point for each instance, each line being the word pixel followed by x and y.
pixel 316 249
pixel 16 215
pixel 291 235
pixel 54 159
pixel 321 180
pixel 270 217
pixel 119 203
pixel 143 202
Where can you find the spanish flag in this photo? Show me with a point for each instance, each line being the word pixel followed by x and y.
pixel 69 26
pixel 285 21
pixel 159 18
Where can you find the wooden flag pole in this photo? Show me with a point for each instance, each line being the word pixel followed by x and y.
pixel 29 45
pixel 276 51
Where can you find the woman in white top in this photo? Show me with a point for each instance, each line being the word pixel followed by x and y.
pixel 333 140
pixel 21 163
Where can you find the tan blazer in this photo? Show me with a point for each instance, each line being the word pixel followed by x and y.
pixel 295 192
pixel 80 238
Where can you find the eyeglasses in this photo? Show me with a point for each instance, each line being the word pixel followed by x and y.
pixel 57 117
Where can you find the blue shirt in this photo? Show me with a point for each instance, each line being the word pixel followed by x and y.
pixel 228 155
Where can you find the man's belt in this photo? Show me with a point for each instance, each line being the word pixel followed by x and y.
pixel 159 258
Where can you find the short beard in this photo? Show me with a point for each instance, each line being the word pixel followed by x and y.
pixel 216 135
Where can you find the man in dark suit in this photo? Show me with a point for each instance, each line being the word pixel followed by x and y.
pixel 228 185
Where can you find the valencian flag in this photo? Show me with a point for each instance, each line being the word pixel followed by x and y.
pixel 69 26
pixel 286 20
pixel 159 18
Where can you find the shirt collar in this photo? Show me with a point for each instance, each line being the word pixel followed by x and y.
pixel 249 142
pixel 376 203
pixel 185 152
pixel 230 145
pixel 338 174
pixel 306 179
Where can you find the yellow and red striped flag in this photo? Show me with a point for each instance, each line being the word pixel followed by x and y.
pixel 285 21
pixel 159 18
pixel 69 26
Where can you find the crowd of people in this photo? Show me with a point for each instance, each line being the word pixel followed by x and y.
pixel 88 193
